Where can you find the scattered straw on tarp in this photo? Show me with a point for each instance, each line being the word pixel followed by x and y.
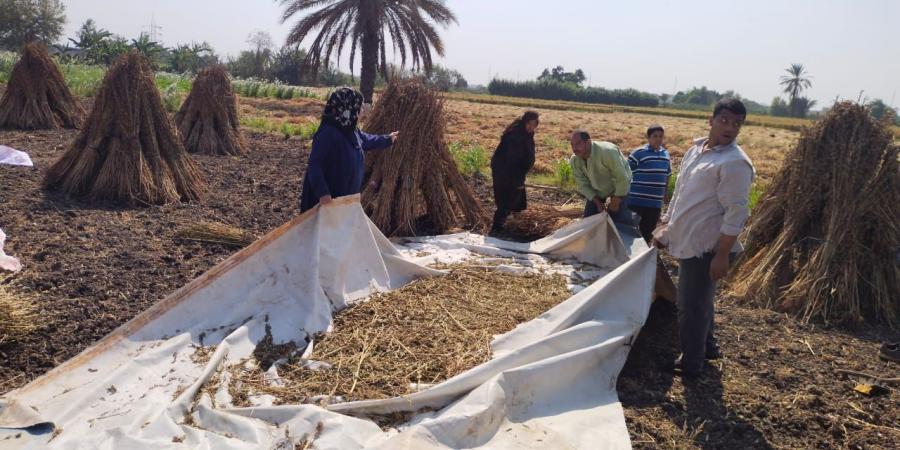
pixel 18 316
pixel 417 177
pixel 208 119
pixel 216 232
pixel 128 150
pixel 423 333
pixel 824 242
pixel 37 96
pixel 540 220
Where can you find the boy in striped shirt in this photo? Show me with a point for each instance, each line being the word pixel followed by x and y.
pixel 650 170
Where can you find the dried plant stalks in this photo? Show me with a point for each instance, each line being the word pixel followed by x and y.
pixel 215 232
pixel 18 316
pixel 417 177
pixel 823 244
pixel 128 151
pixel 423 333
pixel 540 220
pixel 208 119
pixel 37 96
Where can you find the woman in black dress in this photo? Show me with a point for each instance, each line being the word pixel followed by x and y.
pixel 513 159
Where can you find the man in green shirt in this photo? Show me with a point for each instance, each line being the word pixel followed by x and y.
pixel 601 175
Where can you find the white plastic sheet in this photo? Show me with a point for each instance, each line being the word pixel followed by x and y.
pixel 551 383
pixel 13 157
pixel 7 262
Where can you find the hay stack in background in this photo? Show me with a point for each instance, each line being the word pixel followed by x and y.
pixel 128 151
pixel 37 96
pixel 540 220
pixel 208 119
pixel 417 176
pixel 823 244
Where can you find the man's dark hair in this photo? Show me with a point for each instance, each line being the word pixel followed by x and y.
pixel 583 134
pixel 732 104
pixel 654 128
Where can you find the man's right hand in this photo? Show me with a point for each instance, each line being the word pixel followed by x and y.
pixel 325 200
pixel 599 204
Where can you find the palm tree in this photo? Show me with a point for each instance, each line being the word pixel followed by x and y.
pixel 366 24
pixel 796 82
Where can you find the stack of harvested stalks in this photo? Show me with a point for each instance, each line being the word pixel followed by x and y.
pixel 216 232
pixel 422 333
pixel 540 220
pixel 417 176
pixel 36 95
pixel 128 151
pixel 208 119
pixel 18 316
pixel 823 243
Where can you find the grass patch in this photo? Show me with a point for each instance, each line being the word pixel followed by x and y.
pixel 471 158
pixel 261 124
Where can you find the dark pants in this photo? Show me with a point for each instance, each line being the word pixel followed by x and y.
pixel 696 310
pixel 623 215
pixel 649 217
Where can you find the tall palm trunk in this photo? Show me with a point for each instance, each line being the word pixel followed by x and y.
pixel 369 45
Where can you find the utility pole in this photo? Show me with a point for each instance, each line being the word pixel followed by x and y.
pixel 155 29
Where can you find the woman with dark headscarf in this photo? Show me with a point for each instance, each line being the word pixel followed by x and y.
pixel 336 162
pixel 512 160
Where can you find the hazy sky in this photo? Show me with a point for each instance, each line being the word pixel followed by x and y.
pixel 651 45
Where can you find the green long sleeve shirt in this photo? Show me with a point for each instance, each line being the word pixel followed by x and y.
pixel 605 173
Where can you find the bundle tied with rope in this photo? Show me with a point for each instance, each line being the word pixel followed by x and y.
pixel 417 178
pixel 128 151
pixel 824 242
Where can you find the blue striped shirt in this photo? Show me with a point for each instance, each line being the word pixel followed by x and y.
pixel 650 171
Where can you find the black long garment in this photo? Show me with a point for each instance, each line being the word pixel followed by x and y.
pixel 512 160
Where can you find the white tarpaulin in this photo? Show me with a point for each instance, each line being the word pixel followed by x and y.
pixel 550 384
pixel 13 157
pixel 7 262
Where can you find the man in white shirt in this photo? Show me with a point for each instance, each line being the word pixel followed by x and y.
pixel 707 213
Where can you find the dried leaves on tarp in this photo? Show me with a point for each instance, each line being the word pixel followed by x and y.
pixel 539 221
pixel 216 232
pixel 422 333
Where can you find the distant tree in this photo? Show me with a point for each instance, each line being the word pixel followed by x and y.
pixel 287 65
pixel 367 25
pixel 191 57
pixel 801 106
pixel 261 45
pixel 795 82
pixel 98 46
pixel 701 96
pixel 23 21
pixel 444 79
pixel 559 74
pixel 880 110
pixel 153 50
pixel 779 108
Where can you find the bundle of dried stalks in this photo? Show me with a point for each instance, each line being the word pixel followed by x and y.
pixel 128 151
pixel 36 95
pixel 216 232
pixel 18 316
pixel 540 220
pixel 823 244
pixel 422 333
pixel 417 176
pixel 208 119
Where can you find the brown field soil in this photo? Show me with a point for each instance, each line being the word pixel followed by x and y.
pixel 482 124
pixel 91 268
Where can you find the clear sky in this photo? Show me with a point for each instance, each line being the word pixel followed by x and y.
pixel 651 45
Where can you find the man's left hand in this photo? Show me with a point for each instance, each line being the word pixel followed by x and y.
pixel 394 136
pixel 614 204
pixel 719 266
